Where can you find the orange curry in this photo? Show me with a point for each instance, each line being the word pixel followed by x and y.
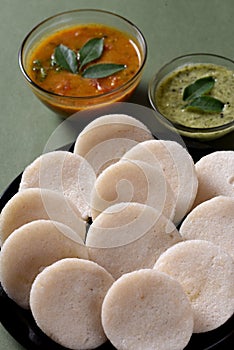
pixel 118 48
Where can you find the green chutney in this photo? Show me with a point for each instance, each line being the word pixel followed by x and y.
pixel 169 95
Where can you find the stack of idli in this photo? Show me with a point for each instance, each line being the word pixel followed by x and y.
pixel 91 242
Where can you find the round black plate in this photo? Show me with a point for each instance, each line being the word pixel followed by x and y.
pixel 21 325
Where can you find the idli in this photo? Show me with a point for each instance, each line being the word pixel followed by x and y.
pixel 35 203
pixel 178 168
pixel 215 173
pixel 147 310
pixel 103 141
pixel 129 236
pixel 65 172
pixel 66 300
pixel 206 274
pixel 132 181
pixel 212 220
pixel 29 249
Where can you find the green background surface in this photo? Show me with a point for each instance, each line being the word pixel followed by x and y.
pixel 171 28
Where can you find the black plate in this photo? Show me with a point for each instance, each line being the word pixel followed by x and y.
pixel 21 325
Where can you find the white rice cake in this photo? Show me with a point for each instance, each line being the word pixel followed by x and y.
pixel 147 309
pixel 178 168
pixel 206 274
pixel 35 203
pixel 103 141
pixel 129 236
pixel 66 300
pixel 29 249
pixel 212 220
pixel 64 172
pixel 215 173
pixel 135 181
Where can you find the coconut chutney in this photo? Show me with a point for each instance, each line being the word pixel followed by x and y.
pixel 169 95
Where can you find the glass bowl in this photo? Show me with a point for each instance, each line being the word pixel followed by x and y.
pixel 201 127
pixel 67 105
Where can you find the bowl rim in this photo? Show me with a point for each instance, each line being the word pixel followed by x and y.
pixel 99 96
pixel 178 126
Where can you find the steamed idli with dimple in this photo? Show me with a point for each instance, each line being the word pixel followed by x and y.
pixel 147 309
pixel 29 249
pixel 132 181
pixel 215 173
pixel 212 220
pixel 129 236
pixel 65 172
pixel 66 300
pixel 206 274
pixel 35 203
pixel 103 141
pixel 177 165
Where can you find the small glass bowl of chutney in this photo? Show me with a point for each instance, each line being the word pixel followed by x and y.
pixel 83 59
pixel 194 95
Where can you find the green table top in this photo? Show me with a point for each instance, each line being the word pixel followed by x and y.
pixel 171 28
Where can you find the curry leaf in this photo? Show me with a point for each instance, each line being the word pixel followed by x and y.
pixel 66 58
pixel 102 70
pixel 206 104
pixel 198 88
pixel 91 51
